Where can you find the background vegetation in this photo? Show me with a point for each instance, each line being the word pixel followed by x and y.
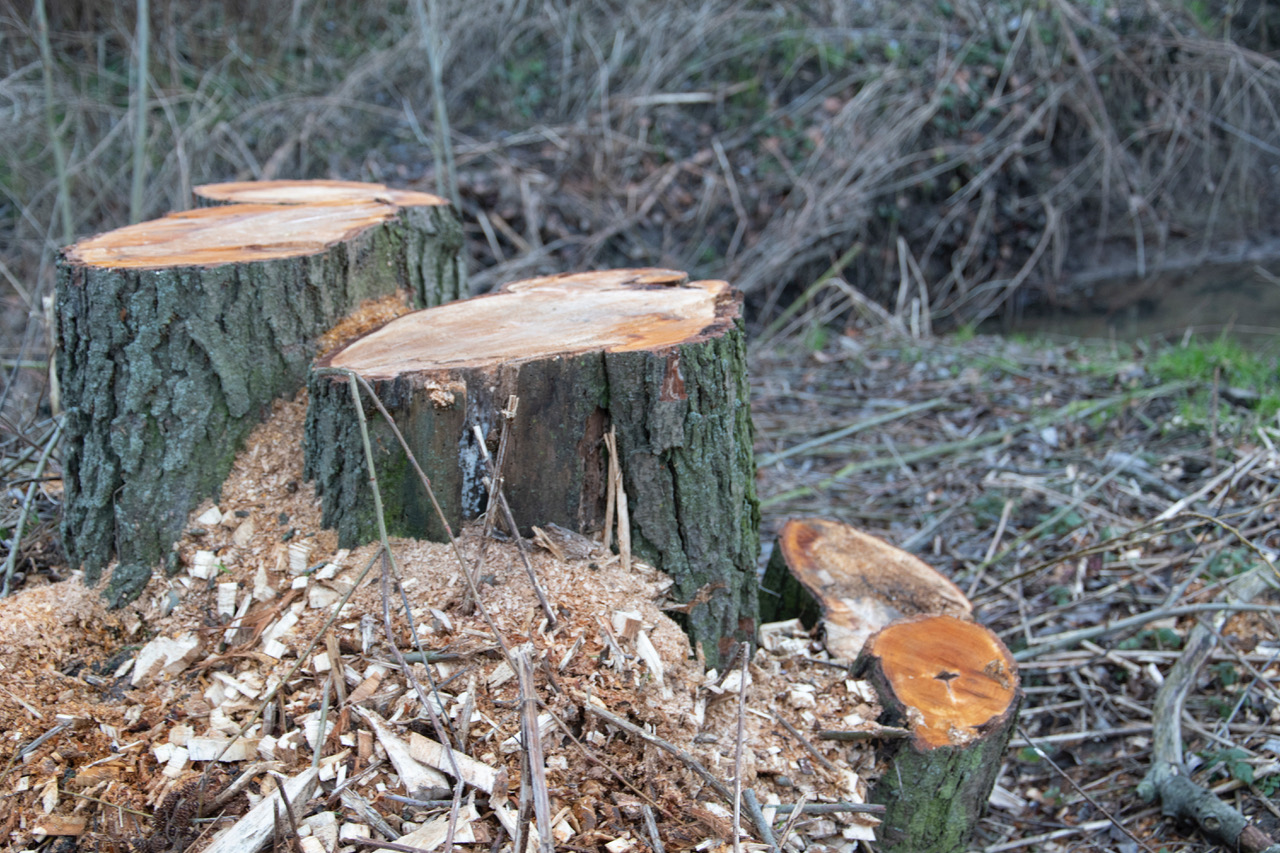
pixel 971 155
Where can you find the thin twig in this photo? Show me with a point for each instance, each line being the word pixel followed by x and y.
pixel 15 541
pixel 495 485
pixel 431 495
pixel 740 739
pixel 388 568
pixel 691 762
pixel 651 826
pixel 810 748
pixel 829 808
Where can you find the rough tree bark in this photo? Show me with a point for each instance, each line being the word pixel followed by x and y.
pixel 947 680
pixel 428 261
pixel 647 353
pixel 174 335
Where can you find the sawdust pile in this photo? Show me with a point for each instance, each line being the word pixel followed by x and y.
pixel 159 726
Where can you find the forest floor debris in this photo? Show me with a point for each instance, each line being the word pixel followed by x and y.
pixel 1061 487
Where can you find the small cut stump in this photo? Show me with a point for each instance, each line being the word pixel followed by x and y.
pixel 174 335
pixel 646 354
pixel 949 682
pixel 954 686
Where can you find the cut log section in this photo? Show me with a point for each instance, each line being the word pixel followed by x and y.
pixel 430 267
pixel 854 582
pixel 173 335
pixel 954 685
pixel 647 353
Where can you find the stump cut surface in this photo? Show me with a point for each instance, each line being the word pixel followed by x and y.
pixel 614 311
pixel 311 192
pixel 860 583
pixel 957 675
pixel 229 235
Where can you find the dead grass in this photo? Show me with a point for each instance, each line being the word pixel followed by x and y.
pixel 994 151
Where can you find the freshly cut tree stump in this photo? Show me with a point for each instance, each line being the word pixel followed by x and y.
pixel 854 582
pixel 954 685
pixel 431 268
pixel 175 334
pixel 647 353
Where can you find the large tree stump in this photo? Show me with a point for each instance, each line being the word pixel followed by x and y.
pixel 949 681
pixel 430 266
pixel 954 685
pixel 173 336
pixel 647 353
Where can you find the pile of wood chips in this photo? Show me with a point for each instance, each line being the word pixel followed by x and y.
pixel 172 724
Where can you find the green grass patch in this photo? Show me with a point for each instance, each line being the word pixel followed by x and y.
pixel 1251 379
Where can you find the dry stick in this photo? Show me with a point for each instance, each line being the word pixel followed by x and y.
pixel 11 561
pixel 1167 779
pixel 324 716
pixel 431 33
pixel 830 808
pixel 55 138
pixel 141 48
pixel 757 817
pixel 288 810
pixel 651 826
pixel 533 753
pixel 1082 792
pixel 388 568
pixel 691 762
pixel 619 495
pixel 495 479
pixel 745 650
pixel 797 810
pixel 1068 638
pixel 810 748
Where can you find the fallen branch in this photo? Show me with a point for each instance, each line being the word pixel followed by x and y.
pixel 1168 779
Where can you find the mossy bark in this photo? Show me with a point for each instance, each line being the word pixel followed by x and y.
pixel 684 438
pixel 165 369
